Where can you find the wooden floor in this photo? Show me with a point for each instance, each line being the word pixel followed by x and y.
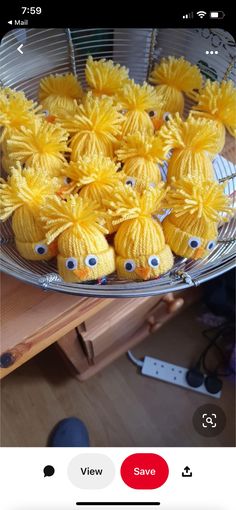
pixel 119 406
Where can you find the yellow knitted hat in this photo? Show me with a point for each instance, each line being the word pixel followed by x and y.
pixel 16 111
pixel 22 195
pixel 217 101
pixel 140 104
pixel 43 145
pixel 104 77
pixel 194 143
pixel 60 91
pixel 57 114
pixel 196 207
pixel 95 127
pixel 96 177
pixel 141 153
pixel 173 76
pixel 139 242
pixel 83 251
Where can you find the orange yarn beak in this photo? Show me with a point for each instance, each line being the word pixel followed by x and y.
pixel 81 273
pixel 144 272
pixel 50 118
pixel 64 189
pixel 157 123
pixel 53 248
pixel 198 253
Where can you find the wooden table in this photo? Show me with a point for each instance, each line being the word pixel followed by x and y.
pixel 32 319
pixel 90 332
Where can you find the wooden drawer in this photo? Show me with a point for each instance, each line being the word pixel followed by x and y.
pixel 121 319
pixel 108 334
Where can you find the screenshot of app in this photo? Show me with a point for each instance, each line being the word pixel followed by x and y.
pixel 117 209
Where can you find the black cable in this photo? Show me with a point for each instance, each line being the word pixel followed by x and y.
pixel 226 329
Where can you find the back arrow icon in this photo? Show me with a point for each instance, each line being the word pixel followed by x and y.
pixel 19 49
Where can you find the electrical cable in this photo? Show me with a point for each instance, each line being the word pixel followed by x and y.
pixel 134 360
pixel 223 331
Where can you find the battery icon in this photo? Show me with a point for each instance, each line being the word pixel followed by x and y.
pixel 217 14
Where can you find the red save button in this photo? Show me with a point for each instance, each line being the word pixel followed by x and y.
pixel 144 471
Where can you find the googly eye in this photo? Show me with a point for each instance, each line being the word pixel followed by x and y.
pixel 152 185
pixel 166 116
pixel 91 260
pixel 152 113
pixel 67 180
pixel 153 261
pixel 130 181
pixel 45 112
pixel 194 242
pixel 71 263
pixel 129 265
pixel 211 245
pixel 41 249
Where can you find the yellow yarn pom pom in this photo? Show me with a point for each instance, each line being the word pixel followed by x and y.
pixel 22 195
pixel 15 111
pixel 137 102
pixel 194 142
pixel 96 177
pixel 173 76
pixel 128 204
pixel 104 77
pixel 139 242
pixel 94 128
pixel 6 163
pixel 41 145
pixel 217 101
pixel 196 208
pixel 59 91
pixel 95 172
pixel 83 251
pixel 141 153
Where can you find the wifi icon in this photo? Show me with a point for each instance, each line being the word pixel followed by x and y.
pixel 201 14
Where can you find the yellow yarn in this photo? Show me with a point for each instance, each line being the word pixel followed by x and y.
pixel 15 111
pixel 173 76
pixel 42 145
pixel 95 177
pixel 196 208
pixel 95 173
pixel 6 163
pixel 56 114
pixel 104 77
pixel 22 195
pixel 194 143
pixel 59 91
pixel 83 251
pixel 217 101
pixel 137 102
pixel 139 242
pixel 94 128
pixel 141 153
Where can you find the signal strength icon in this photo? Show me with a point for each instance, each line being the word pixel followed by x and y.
pixel 188 16
pixel 201 14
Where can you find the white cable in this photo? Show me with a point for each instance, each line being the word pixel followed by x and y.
pixel 136 361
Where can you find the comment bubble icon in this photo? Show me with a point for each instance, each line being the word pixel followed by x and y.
pixel 48 471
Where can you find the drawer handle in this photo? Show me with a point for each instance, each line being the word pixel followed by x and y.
pixel 172 306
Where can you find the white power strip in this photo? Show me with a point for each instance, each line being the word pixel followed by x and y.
pixel 173 374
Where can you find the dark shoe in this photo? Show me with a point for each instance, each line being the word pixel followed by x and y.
pixel 69 432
